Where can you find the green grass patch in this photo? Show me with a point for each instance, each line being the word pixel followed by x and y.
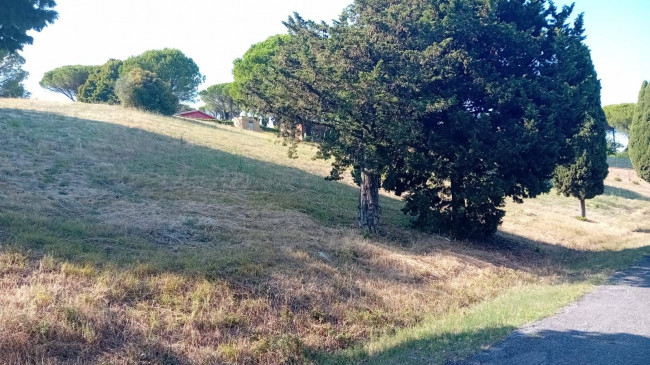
pixel 459 334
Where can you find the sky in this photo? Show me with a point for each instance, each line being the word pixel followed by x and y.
pixel 215 32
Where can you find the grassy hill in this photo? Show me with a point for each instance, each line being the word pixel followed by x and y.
pixel 127 237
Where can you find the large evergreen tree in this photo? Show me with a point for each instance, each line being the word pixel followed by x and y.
pixel 639 146
pixel 453 103
pixel 17 17
pixel 492 128
pixel 358 78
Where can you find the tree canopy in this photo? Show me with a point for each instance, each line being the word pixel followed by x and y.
pixel 67 79
pixel 142 89
pixel 619 116
pixel 100 85
pixel 12 75
pixel 20 16
pixel 250 89
pixel 639 146
pixel 218 101
pixel 450 103
pixel 171 66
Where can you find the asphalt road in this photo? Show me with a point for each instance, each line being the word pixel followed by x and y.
pixel 609 326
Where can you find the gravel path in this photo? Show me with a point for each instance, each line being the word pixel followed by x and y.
pixel 609 326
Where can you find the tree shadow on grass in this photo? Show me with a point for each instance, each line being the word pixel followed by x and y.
pixel 625 193
pixel 541 258
pixel 129 169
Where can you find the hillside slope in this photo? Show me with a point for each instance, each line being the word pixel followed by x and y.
pixel 127 237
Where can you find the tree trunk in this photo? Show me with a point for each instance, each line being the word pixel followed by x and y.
pixel 614 135
pixel 583 209
pixel 369 209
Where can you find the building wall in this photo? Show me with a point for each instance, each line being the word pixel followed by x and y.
pixel 244 123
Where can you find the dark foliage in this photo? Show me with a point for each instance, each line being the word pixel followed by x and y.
pixel 639 147
pixel 17 17
pixel 100 85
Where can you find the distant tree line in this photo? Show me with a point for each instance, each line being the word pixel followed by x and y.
pixel 156 80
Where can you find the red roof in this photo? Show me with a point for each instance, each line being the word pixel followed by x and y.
pixel 195 114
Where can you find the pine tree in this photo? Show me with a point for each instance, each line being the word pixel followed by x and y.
pixel 171 66
pixel 639 146
pixel 66 80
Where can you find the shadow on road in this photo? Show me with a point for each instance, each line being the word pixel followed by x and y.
pixel 570 347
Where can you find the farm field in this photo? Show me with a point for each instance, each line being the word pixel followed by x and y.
pixel 127 237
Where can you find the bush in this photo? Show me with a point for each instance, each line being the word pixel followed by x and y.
pixel 144 90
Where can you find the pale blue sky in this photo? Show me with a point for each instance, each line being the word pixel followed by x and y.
pixel 215 32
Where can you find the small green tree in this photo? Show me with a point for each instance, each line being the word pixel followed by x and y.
pixel 144 90
pixel 17 17
pixel 218 101
pixel 583 178
pixel 639 146
pixel 100 85
pixel 173 67
pixel 582 166
pixel 67 79
pixel 12 75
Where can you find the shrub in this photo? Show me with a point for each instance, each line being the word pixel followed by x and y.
pixel 144 90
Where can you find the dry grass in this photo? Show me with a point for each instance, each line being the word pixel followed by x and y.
pixel 133 238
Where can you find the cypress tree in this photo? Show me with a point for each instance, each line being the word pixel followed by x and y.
pixel 582 166
pixel 492 129
pixel 639 146
pixel 584 176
